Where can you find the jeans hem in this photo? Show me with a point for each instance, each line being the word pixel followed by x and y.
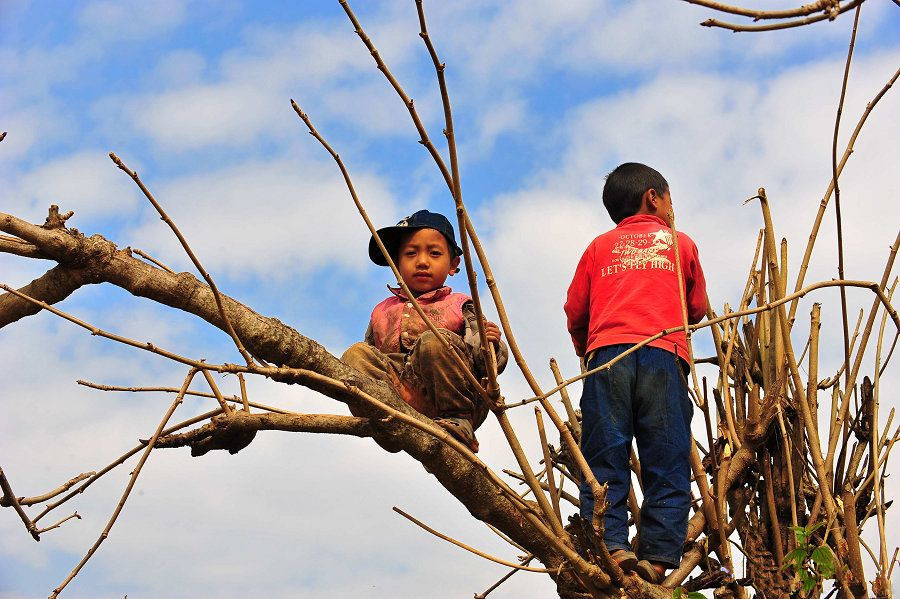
pixel 663 559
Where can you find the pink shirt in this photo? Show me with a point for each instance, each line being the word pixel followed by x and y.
pixel 395 325
pixel 625 287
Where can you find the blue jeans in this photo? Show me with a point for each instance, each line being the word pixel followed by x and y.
pixel 643 396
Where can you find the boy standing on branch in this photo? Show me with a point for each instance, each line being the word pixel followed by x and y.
pixel 626 289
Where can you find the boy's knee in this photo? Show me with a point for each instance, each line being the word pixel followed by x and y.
pixel 429 344
pixel 357 354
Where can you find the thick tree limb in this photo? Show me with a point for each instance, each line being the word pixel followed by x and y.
pixel 17 247
pixel 226 429
pixel 277 343
pixel 55 285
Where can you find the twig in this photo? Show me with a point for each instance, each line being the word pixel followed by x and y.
pixel 874 446
pixel 11 499
pixel 503 536
pixel 837 192
pixel 563 494
pixel 134 474
pixel 804 264
pixel 567 403
pixel 890 353
pixel 470 549
pixel 758 15
pixel 548 464
pixel 146 256
pixel 47 496
pixel 60 523
pixel 844 409
pixel 462 216
pixel 120 460
pixel 215 389
pixel 233 399
pixel 524 562
pixel 147 346
pixel 783 25
pixel 244 398
pixel 190 253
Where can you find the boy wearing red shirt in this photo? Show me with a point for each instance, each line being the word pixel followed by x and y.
pixel 625 289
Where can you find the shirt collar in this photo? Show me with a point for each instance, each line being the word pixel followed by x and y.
pixel 425 297
pixel 642 218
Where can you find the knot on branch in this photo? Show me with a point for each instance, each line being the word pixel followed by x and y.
pixel 862 424
pixel 232 432
pixel 55 220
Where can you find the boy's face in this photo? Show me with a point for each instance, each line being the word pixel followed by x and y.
pixel 424 260
pixel 664 208
pixel 658 204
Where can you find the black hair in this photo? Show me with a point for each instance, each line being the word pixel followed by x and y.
pixel 625 187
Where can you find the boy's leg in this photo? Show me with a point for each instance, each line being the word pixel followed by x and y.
pixel 606 433
pixel 663 430
pixel 384 367
pixel 368 360
pixel 443 383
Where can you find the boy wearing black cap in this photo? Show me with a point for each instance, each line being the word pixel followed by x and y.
pixel 400 348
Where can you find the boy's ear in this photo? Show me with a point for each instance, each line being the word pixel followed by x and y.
pixel 454 266
pixel 649 200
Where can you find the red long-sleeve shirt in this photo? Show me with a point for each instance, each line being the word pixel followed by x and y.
pixel 625 287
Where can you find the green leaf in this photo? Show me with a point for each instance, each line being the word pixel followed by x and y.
pixel 809 584
pixel 800 534
pixel 676 594
pixel 696 595
pixel 795 558
pixel 823 558
pixel 814 528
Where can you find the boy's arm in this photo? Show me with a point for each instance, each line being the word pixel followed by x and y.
pixel 578 303
pixel 473 340
pixel 695 284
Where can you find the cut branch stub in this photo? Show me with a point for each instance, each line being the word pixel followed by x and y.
pixel 55 220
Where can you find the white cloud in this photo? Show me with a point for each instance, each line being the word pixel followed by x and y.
pixel 181 68
pixel 86 182
pixel 130 20
pixel 269 219
pixel 198 116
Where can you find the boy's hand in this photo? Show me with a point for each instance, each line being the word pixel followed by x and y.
pixel 491 331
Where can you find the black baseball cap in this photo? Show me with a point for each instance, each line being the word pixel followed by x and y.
pixel 423 219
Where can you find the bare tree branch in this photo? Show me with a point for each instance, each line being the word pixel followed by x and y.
pixel 55 285
pixel 9 498
pixel 757 15
pixel 829 14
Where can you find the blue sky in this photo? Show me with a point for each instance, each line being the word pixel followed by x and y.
pixel 548 97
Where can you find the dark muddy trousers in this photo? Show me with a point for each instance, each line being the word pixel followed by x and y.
pixel 643 396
